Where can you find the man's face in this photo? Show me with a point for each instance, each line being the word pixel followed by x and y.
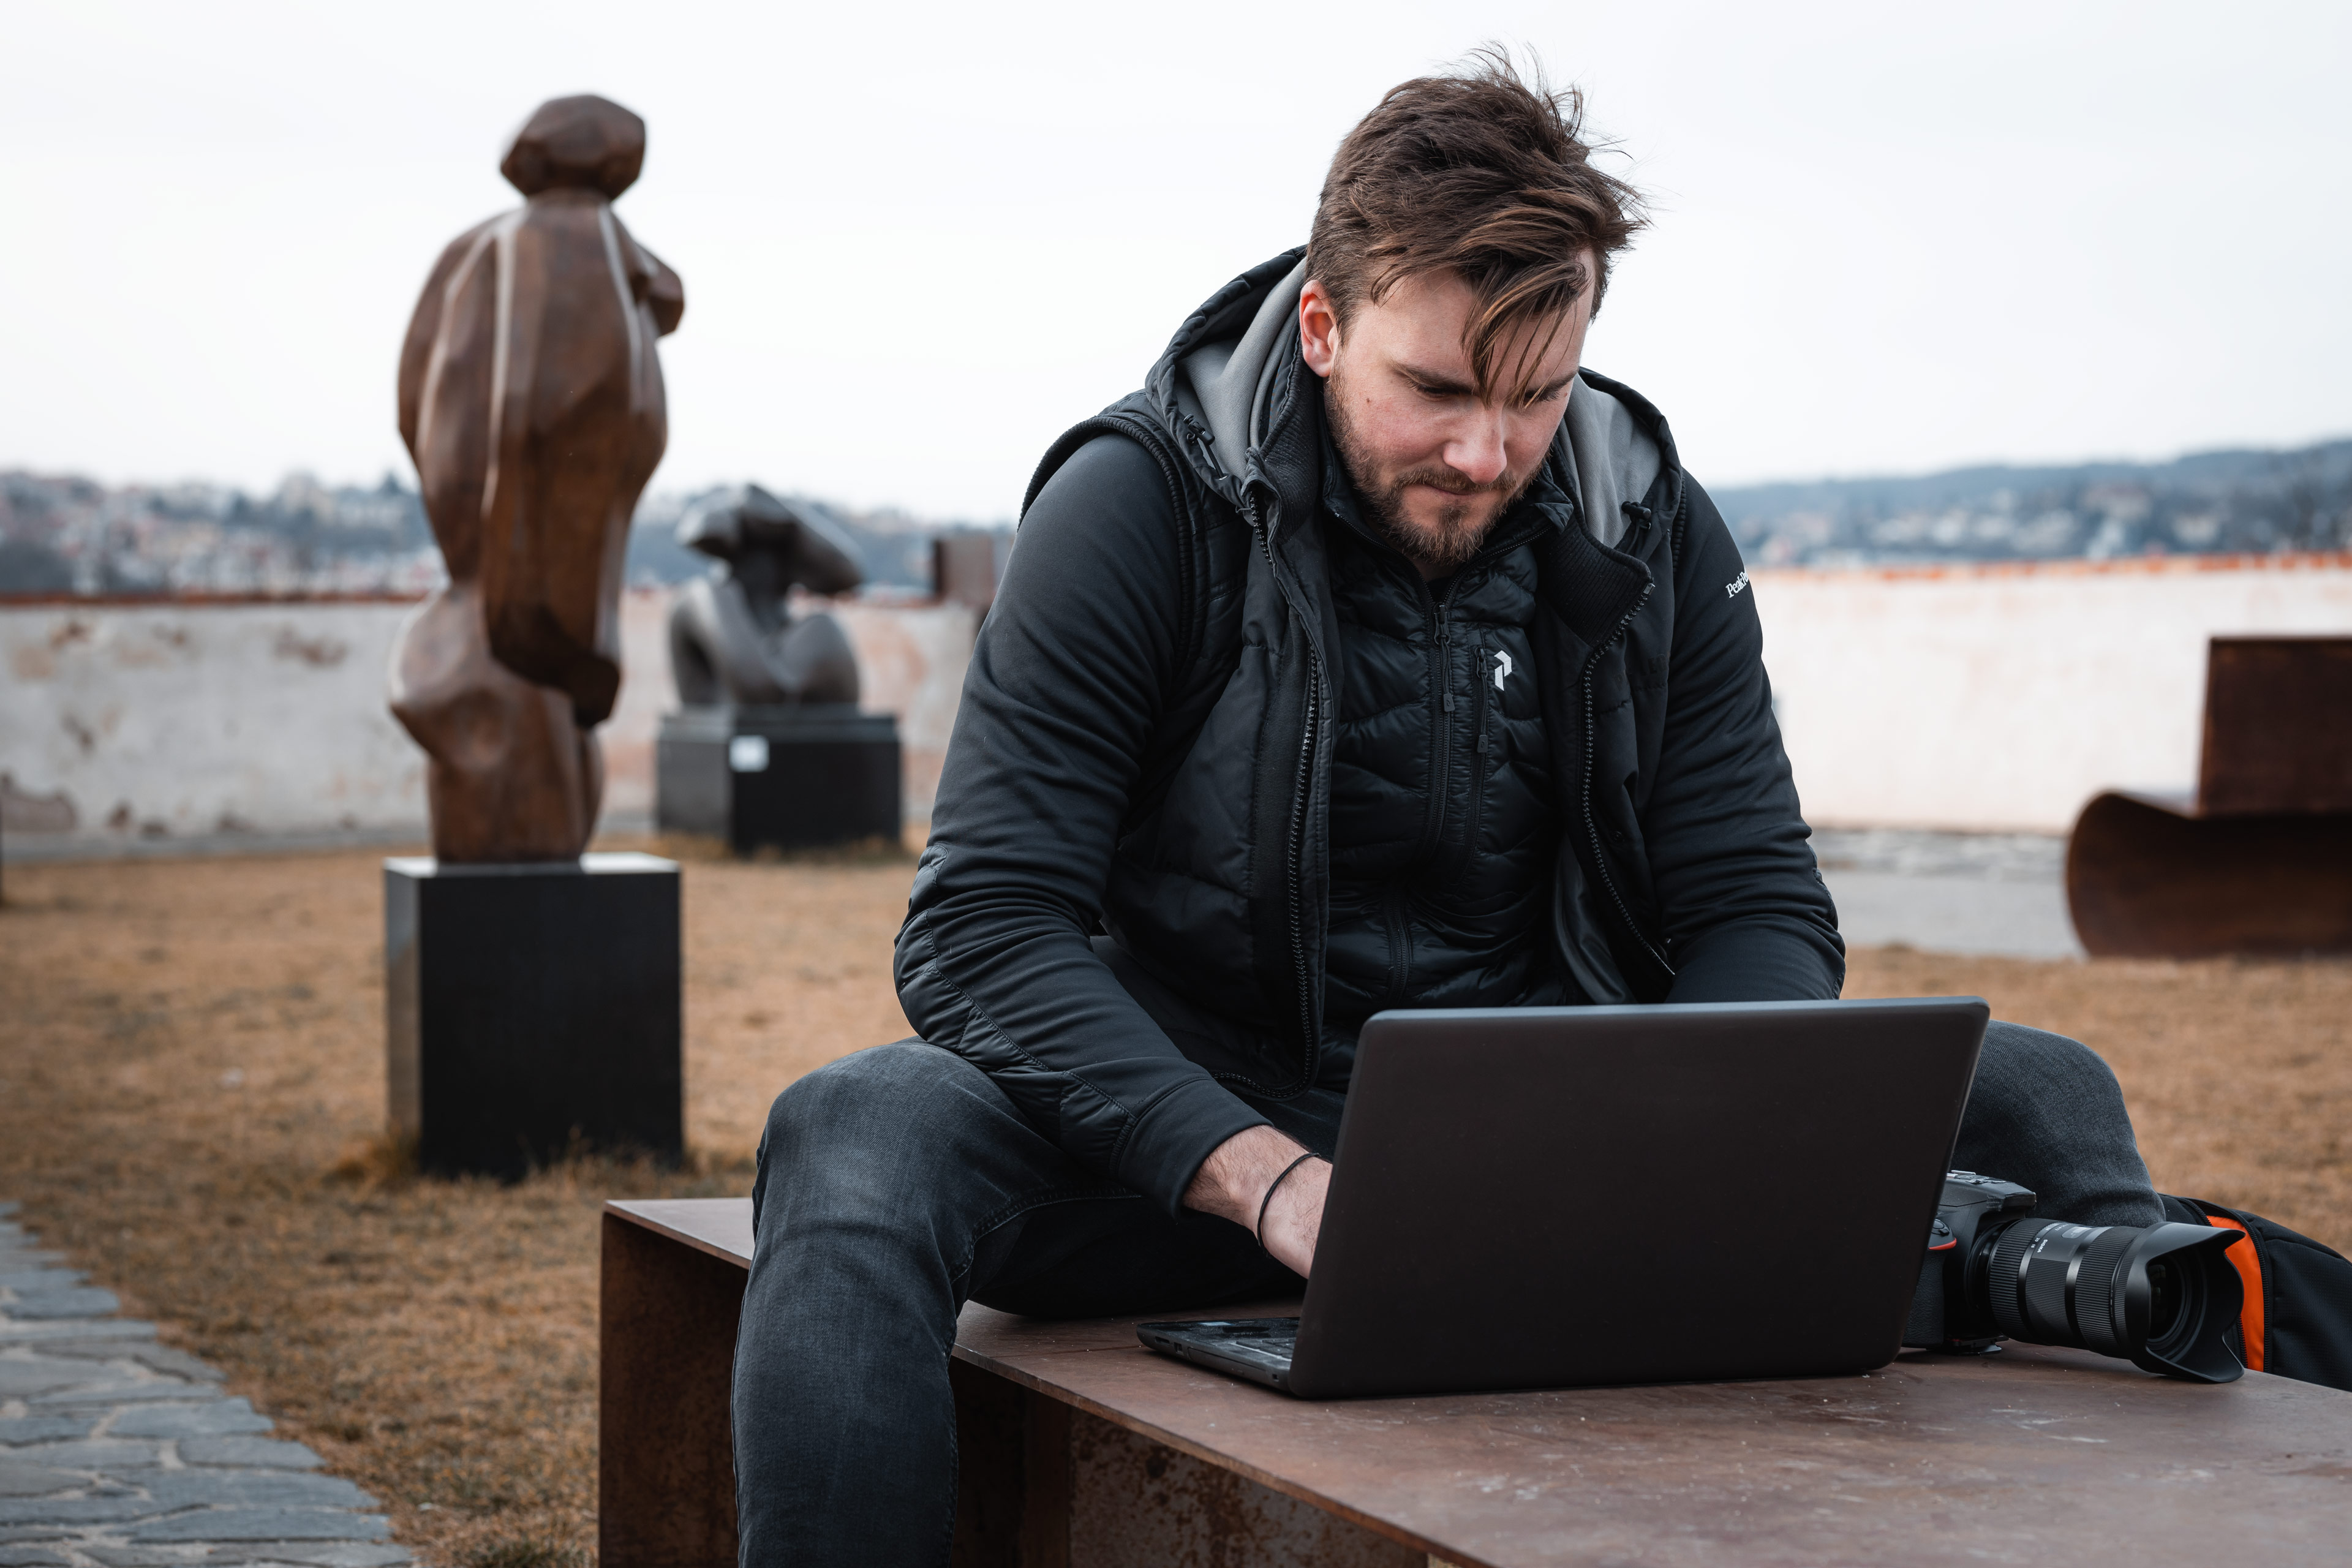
pixel 1435 460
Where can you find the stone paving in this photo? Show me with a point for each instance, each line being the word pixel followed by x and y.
pixel 117 1452
pixel 1950 892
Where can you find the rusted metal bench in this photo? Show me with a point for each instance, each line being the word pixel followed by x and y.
pixel 1081 1449
pixel 2259 860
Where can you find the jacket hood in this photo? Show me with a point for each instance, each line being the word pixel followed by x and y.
pixel 1215 388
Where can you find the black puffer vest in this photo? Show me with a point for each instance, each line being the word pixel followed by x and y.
pixel 1442 821
pixel 1222 881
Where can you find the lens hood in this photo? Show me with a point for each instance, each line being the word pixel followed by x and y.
pixel 2178 1297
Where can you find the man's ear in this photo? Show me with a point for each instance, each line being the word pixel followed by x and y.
pixel 1318 329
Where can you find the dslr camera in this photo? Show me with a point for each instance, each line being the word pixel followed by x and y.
pixel 2161 1296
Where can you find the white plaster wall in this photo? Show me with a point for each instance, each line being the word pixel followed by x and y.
pixel 2005 697
pixel 175 720
pixel 1991 697
pixel 910 662
pixel 645 695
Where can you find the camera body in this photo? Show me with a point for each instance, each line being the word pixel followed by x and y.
pixel 2161 1296
pixel 1946 1314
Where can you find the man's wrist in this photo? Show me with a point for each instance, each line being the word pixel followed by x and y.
pixel 1270 1185
pixel 1273 1187
pixel 1233 1181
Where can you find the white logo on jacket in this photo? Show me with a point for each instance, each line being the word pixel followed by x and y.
pixel 1731 589
pixel 1502 668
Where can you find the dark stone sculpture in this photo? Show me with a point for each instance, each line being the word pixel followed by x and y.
pixel 732 640
pixel 770 747
pixel 531 400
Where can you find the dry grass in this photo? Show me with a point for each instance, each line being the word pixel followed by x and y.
pixel 2238 1075
pixel 191 1103
pixel 191 1093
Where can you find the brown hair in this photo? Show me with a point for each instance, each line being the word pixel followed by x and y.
pixel 1479 174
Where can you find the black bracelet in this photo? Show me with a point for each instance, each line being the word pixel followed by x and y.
pixel 1268 1201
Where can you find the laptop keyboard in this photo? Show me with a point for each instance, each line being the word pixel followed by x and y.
pixel 1265 1341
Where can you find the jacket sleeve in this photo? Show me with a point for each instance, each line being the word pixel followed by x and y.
pixel 995 960
pixel 1746 915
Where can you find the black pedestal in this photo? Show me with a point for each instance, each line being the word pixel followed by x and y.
pixel 793 777
pixel 533 1004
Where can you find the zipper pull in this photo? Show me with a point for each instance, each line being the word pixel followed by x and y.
pixel 1446 651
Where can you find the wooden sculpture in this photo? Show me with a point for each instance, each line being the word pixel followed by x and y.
pixel 2259 860
pixel 732 638
pixel 531 398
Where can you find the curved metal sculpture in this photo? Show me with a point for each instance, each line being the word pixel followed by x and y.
pixel 732 638
pixel 2260 859
pixel 531 400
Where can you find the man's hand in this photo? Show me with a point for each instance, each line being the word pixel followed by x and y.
pixel 1232 1183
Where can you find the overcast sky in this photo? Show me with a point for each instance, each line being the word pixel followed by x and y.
pixel 919 241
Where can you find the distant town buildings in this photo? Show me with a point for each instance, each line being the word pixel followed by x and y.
pixel 67 535
pixel 71 536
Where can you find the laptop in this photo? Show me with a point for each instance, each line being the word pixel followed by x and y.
pixel 1548 1197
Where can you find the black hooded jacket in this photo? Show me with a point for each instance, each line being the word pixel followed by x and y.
pixel 1139 794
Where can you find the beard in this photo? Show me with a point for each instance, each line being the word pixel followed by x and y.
pixel 1445 541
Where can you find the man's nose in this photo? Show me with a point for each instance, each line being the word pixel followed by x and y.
pixel 1476 452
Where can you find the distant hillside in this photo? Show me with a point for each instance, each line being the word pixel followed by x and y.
pixel 2210 502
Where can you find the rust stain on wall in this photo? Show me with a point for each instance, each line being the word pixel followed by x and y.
pixel 319 652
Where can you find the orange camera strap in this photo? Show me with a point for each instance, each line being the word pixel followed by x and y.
pixel 2249 1264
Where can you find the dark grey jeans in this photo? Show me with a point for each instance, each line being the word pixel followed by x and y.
pixel 896 1183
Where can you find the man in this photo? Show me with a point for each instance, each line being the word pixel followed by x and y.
pixel 1372 656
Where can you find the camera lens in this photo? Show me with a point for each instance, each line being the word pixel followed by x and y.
pixel 2163 1296
pixel 2164 1299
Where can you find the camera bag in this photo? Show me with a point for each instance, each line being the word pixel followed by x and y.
pixel 2297 1319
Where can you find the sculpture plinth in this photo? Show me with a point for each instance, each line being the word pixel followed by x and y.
pixel 770 749
pixel 533 994
pixel 534 1009
pixel 787 777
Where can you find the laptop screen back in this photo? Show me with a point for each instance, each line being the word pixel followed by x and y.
pixel 1535 1197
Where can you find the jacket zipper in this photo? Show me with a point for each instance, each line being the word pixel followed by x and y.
pixel 1398 925
pixel 1300 807
pixel 1480 763
pixel 1297 868
pixel 1441 741
pixel 1592 823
